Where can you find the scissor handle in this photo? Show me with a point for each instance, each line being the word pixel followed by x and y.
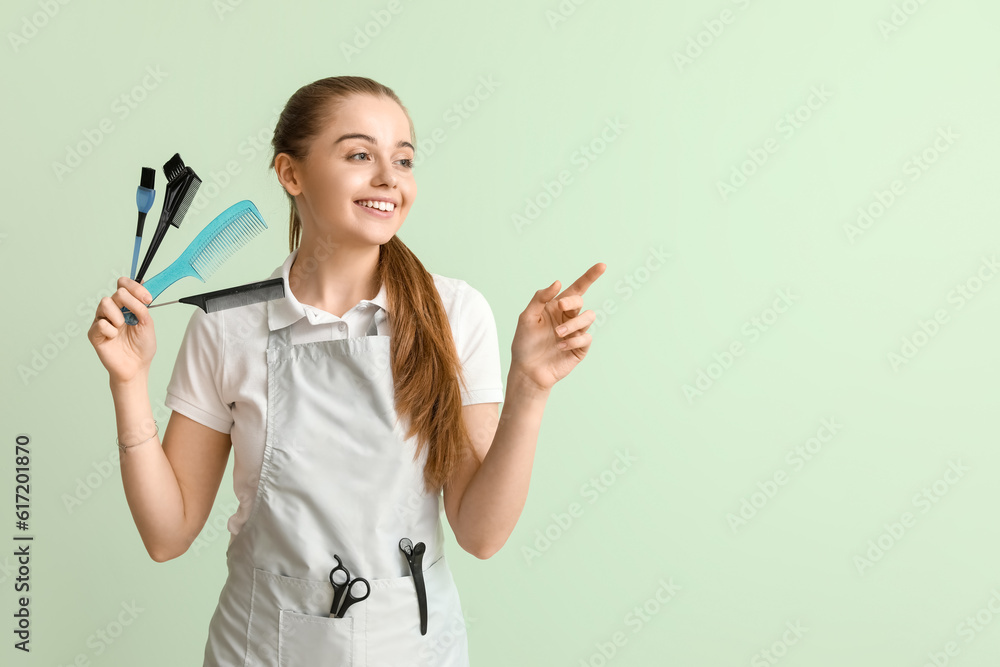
pixel 339 568
pixel 350 598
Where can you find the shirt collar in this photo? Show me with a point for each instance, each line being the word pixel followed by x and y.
pixel 288 310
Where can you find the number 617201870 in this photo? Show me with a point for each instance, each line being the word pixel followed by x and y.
pixel 22 460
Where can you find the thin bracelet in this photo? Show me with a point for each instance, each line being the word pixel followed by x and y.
pixel 124 447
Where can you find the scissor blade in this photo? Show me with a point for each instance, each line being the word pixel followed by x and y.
pixel 338 599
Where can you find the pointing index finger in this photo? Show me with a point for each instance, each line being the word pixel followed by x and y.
pixel 583 283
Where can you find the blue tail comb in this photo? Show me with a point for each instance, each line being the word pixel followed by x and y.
pixel 216 243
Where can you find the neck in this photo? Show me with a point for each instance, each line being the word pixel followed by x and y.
pixel 333 277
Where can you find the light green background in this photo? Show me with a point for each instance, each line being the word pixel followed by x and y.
pixel 655 186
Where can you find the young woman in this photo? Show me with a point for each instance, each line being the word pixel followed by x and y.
pixel 353 405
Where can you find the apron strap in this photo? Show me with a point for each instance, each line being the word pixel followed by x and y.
pixel 377 322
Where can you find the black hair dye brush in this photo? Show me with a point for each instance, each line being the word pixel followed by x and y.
pixel 182 185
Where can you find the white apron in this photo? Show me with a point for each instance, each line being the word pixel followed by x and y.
pixel 338 477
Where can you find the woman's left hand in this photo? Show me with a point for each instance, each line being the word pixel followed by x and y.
pixel 541 351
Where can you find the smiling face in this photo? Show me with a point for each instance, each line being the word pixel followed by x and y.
pixel 363 154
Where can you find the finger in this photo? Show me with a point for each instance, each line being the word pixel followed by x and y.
pixel 129 300
pixel 124 297
pixel 542 297
pixel 135 288
pixel 106 329
pixel 94 334
pixel 583 340
pixel 570 306
pixel 583 283
pixel 585 319
pixel 111 312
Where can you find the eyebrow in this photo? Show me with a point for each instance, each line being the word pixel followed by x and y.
pixel 370 139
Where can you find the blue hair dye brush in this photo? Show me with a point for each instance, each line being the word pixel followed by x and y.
pixel 144 196
pixel 227 233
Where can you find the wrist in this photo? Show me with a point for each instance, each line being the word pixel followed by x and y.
pixel 520 382
pixel 138 381
pixel 134 440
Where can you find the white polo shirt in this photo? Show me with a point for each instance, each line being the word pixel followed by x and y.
pixel 220 376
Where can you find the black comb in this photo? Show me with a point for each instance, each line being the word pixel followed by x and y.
pixel 233 297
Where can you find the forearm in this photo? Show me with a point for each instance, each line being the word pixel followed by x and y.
pixel 151 487
pixel 495 496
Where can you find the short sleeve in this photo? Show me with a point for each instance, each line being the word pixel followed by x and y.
pixel 478 349
pixel 195 387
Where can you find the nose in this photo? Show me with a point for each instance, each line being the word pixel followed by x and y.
pixel 384 174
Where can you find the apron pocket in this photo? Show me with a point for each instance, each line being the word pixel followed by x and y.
pixel 305 640
pixel 290 624
pixel 392 631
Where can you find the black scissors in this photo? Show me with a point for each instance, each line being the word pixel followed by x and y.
pixel 344 589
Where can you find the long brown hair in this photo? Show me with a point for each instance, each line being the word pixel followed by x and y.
pixel 426 369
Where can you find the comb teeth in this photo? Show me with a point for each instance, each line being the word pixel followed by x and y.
pixel 189 196
pixel 244 298
pixel 233 236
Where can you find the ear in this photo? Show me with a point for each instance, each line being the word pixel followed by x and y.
pixel 285 169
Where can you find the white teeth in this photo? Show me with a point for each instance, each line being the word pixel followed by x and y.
pixel 380 205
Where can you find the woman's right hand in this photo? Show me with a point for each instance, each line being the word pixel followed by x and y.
pixel 126 351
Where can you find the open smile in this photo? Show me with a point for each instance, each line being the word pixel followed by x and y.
pixel 379 213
